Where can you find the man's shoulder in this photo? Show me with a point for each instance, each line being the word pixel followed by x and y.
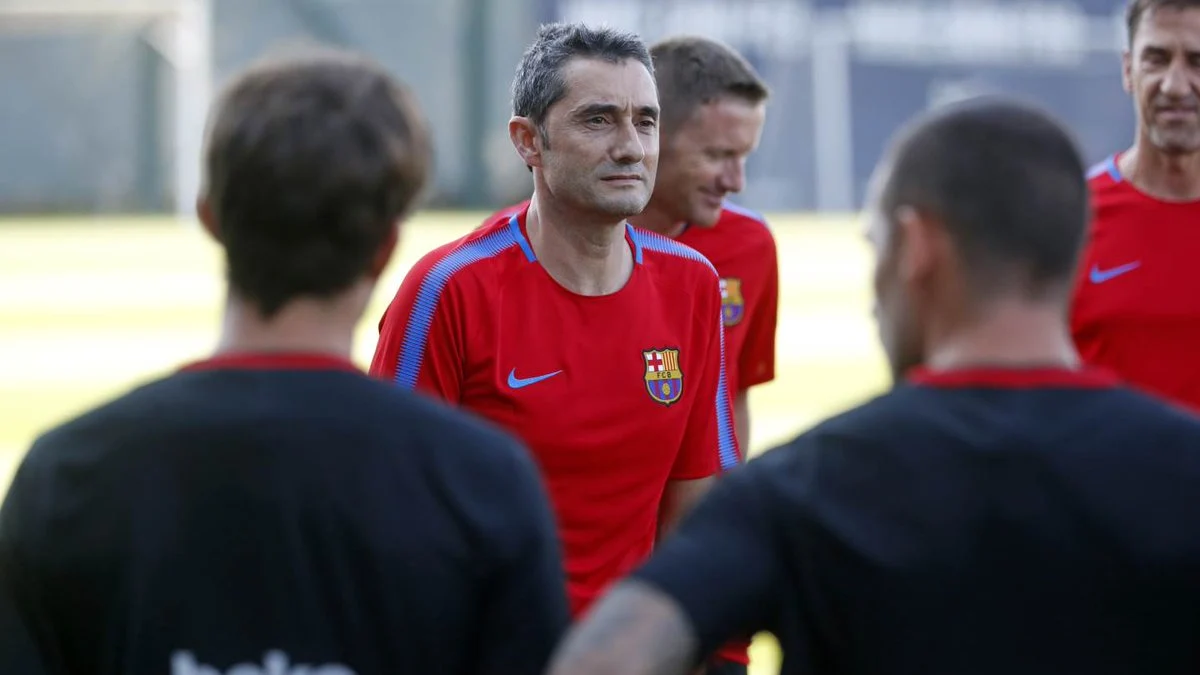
pixel 473 439
pixel 1108 408
pixel 866 421
pixel 483 462
pixel 1104 173
pixel 99 435
pixel 677 257
pixel 140 405
pixel 745 224
pixel 423 423
pixel 1151 417
pixel 494 244
pixel 1106 184
pixel 740 243
pixel 186 405
pixel 866 424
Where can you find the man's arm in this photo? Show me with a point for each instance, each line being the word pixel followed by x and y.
pixel 741 420
pixel 526 612
pixel 421 342
pixel 634 630
pixel 709 443
pixel 756 362
pixel 718 577
pixel 678 498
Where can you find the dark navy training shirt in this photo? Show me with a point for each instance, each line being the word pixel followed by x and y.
pixel 285 512
pixel 983 521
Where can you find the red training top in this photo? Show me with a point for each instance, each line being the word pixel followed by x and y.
pixel 1136 309
pixel 614 395
pixel 742 249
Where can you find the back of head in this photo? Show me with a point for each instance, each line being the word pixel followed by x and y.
pixel 1008 185
pixel 693 71
pixel 539 81
pixel 311 161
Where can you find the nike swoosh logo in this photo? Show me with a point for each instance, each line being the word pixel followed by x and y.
pixel 520 382
pixel 1099 276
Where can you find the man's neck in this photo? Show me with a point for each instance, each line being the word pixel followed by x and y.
pixel 1174 178
pixel 585 253
pixel 1007 333
pixel 656 220
pixel 305 325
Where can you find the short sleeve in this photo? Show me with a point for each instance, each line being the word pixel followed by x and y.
pixel 756 362
pixel 421 341
pixel 722 565
pixel 709 443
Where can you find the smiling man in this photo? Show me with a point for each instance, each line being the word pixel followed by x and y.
pixel 1135 310
pixel 597 344
pixel 713 110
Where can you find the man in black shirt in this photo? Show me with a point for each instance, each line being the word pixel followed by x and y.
pixel 1001 510
pixel 273 509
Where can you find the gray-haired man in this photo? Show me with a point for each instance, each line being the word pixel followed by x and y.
pixel 597 344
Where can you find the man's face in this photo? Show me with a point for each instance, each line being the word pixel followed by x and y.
pixel 1162 73
pixel 895 313
pixel 601 148
pixel 704 159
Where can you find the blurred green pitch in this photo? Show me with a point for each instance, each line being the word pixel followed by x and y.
pixel 89 307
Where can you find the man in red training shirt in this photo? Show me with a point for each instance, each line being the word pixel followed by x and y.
pixel 713 109
pixel 597 344
pixel 1136 310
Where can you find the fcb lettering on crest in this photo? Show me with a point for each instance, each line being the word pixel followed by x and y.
pixel 732 304
pixel 664 377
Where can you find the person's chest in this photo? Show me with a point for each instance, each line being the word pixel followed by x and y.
pixel 746 278
pixel 588 383
pixel 1141 264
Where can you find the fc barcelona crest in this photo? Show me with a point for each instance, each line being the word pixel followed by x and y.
pixel 664 379
pixel 732 304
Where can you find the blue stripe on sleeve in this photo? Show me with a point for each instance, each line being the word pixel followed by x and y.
pixel 416 333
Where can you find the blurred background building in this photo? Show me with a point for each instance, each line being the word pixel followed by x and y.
pixel 103 101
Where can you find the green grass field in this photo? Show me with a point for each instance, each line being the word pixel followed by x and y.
pixel 90 307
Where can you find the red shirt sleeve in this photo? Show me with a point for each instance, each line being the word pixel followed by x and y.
pixel 709 443
pixel 421 342
pixel 756 362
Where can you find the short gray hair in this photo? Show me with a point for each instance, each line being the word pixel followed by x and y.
pixel 539 82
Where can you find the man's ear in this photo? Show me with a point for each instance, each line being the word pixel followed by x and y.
pixel 921 240
pixel 527 140
pixel 207 219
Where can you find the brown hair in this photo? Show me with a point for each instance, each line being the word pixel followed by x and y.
pixel 311 160
pixel 1139 8
pixel 692 71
